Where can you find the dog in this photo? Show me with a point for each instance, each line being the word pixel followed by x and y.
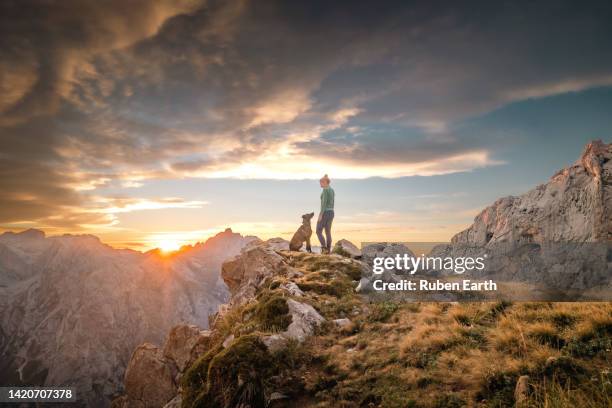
pixel 302 234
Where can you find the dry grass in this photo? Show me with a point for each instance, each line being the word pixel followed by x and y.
pixel 474 352
pixel 440 354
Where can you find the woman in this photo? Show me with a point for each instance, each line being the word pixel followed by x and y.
pixel 326 215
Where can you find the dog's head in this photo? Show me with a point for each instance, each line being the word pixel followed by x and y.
pixel 307 217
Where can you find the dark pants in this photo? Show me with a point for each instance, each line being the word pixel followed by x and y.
pixel 325 223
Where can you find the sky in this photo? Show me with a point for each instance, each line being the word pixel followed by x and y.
pixel 148 123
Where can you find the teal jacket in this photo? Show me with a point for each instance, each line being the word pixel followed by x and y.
pixel 327 199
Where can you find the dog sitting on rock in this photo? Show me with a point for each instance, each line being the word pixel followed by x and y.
pixel 302 234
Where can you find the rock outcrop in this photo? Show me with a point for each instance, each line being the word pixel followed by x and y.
pixel 185 343
pixel 380 250
pixel 270 308
pixel 574 206
pixel 245 272
pixel 149 379
pixel 304 320
pixel 347 248
pixel 278 244
pixel 556 236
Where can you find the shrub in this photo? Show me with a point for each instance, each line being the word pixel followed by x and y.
pixel 565 370
pixel 546 334
pixel 273 313
pixel 381 312
pixel 562 320
pixel 236 375
pixel 194 381
pixel 449 401
pixel 498 389
pixel 593 339
pixel 333 289
pixel 463 319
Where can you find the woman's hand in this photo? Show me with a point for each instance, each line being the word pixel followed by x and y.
pixel 320 217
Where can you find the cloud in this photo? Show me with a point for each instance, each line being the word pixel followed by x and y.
pixel 564 86
pixel 302 167
pixel 126 205
pixel 115 93
pixel 48 49
pixel 281 108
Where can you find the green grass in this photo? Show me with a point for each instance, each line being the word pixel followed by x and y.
pixel 273 313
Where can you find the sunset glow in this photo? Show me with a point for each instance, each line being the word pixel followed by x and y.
pixel 168 246
pixel 160 125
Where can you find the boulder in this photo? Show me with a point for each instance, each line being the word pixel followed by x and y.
pixel 347 248
pixel 342 322
pixel 304 319
pixel 245 272
pixel 521 391
pixel 278 244
pixel 384 250
pixel 275 342
pixel 364 286
pixel 149 378
pixel 292 288
pixel 185 344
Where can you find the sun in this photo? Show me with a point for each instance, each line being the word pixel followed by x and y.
pixel 169 245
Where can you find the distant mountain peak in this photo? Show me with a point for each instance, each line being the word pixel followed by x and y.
pixel 30 233
pixel 594 156
pixel 97 295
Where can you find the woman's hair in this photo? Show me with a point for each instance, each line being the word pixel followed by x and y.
pixel 325 179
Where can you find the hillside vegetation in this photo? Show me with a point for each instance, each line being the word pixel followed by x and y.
pixel 400 354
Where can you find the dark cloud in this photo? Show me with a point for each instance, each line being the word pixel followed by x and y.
pixel 99 92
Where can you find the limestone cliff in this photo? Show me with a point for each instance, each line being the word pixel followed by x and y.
pixel 574 206
pixel 555 237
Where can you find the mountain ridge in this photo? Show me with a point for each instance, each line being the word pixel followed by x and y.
pixel 577 198
pixel 73 308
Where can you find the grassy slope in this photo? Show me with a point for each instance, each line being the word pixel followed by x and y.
pixel 412 354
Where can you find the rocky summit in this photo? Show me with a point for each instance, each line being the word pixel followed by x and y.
pixel 574 206
pixel 274 307
pixel 296 333
pixel 72 309
pixel 556 237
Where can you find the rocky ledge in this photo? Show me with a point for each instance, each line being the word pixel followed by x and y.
pixel 275 305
